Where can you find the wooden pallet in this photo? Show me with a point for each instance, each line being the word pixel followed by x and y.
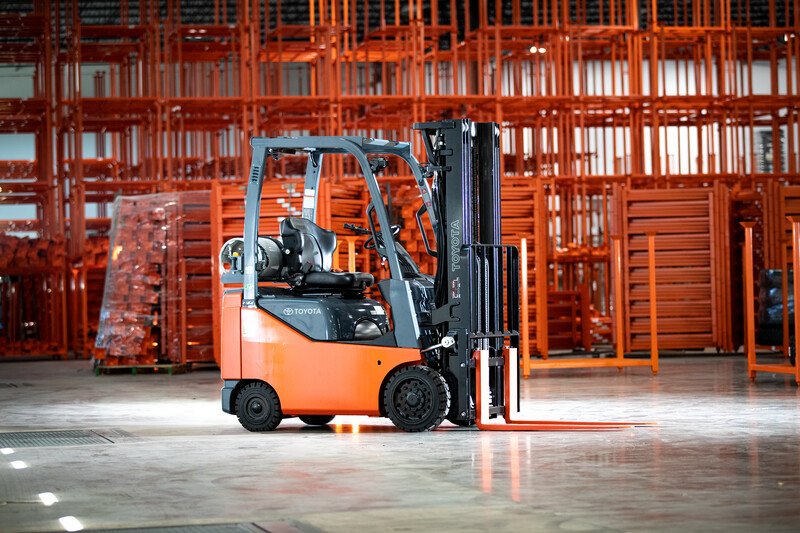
pixel 168 369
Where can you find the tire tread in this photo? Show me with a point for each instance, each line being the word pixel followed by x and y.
pixel 442 392
pixel 270 396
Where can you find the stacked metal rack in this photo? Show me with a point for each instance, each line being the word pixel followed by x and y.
pixel 33 287
pixel 32 266
pixel 142 97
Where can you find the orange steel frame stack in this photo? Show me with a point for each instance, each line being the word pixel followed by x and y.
pixel 597 101
pixel 753 365
pixel 32 327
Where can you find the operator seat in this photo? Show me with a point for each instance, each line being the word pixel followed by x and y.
pixel 308 258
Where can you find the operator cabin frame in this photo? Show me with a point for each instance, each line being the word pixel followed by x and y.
pixel 396 290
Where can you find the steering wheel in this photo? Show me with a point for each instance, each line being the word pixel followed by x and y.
pixel 369 244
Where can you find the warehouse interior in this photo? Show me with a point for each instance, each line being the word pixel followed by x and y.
pixel 648 173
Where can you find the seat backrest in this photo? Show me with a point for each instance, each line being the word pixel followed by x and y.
pixel 307 247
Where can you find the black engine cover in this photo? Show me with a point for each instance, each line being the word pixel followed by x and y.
pixel 325 318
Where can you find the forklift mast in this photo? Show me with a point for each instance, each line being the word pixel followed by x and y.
pixel 477 278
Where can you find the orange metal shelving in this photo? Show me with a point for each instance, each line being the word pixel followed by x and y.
pixel 753 364
pixel 596 100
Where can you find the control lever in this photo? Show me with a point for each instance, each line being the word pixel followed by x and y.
pixel 447 342
pixel 359 230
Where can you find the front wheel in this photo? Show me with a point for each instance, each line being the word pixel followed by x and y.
pixel 258 407
pixel 416 398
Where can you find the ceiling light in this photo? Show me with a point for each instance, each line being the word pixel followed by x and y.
pixel 18 465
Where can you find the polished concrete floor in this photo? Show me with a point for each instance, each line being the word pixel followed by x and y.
pixel 724 457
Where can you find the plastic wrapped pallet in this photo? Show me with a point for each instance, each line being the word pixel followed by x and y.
pixel 772 278
pixel 770 306
pixel 157 301
pixel 157 296
pixel 129 317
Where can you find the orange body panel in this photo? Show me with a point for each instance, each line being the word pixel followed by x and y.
pixel 310 377
pixel 231 336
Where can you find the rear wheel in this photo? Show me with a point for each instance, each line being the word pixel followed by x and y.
pixel 316 420
pixel 416 398
pixel 258 407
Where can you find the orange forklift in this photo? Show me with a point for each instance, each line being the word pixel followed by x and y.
pixel 310 343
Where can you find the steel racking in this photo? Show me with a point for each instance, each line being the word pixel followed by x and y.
pixel 596 100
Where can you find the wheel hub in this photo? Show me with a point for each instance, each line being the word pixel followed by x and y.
pixel 413 399
pixel 256 407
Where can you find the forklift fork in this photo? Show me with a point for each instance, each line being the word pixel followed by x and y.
pixel 511 402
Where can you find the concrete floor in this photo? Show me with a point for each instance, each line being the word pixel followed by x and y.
pixel 725 457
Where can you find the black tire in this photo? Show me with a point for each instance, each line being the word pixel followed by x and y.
pixel 416 398
pixel 258 407
pixel 316 420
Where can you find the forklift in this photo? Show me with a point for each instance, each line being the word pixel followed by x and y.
pixel 301 339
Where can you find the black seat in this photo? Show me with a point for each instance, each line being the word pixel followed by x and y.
pixel 308 258
pixel 307 247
